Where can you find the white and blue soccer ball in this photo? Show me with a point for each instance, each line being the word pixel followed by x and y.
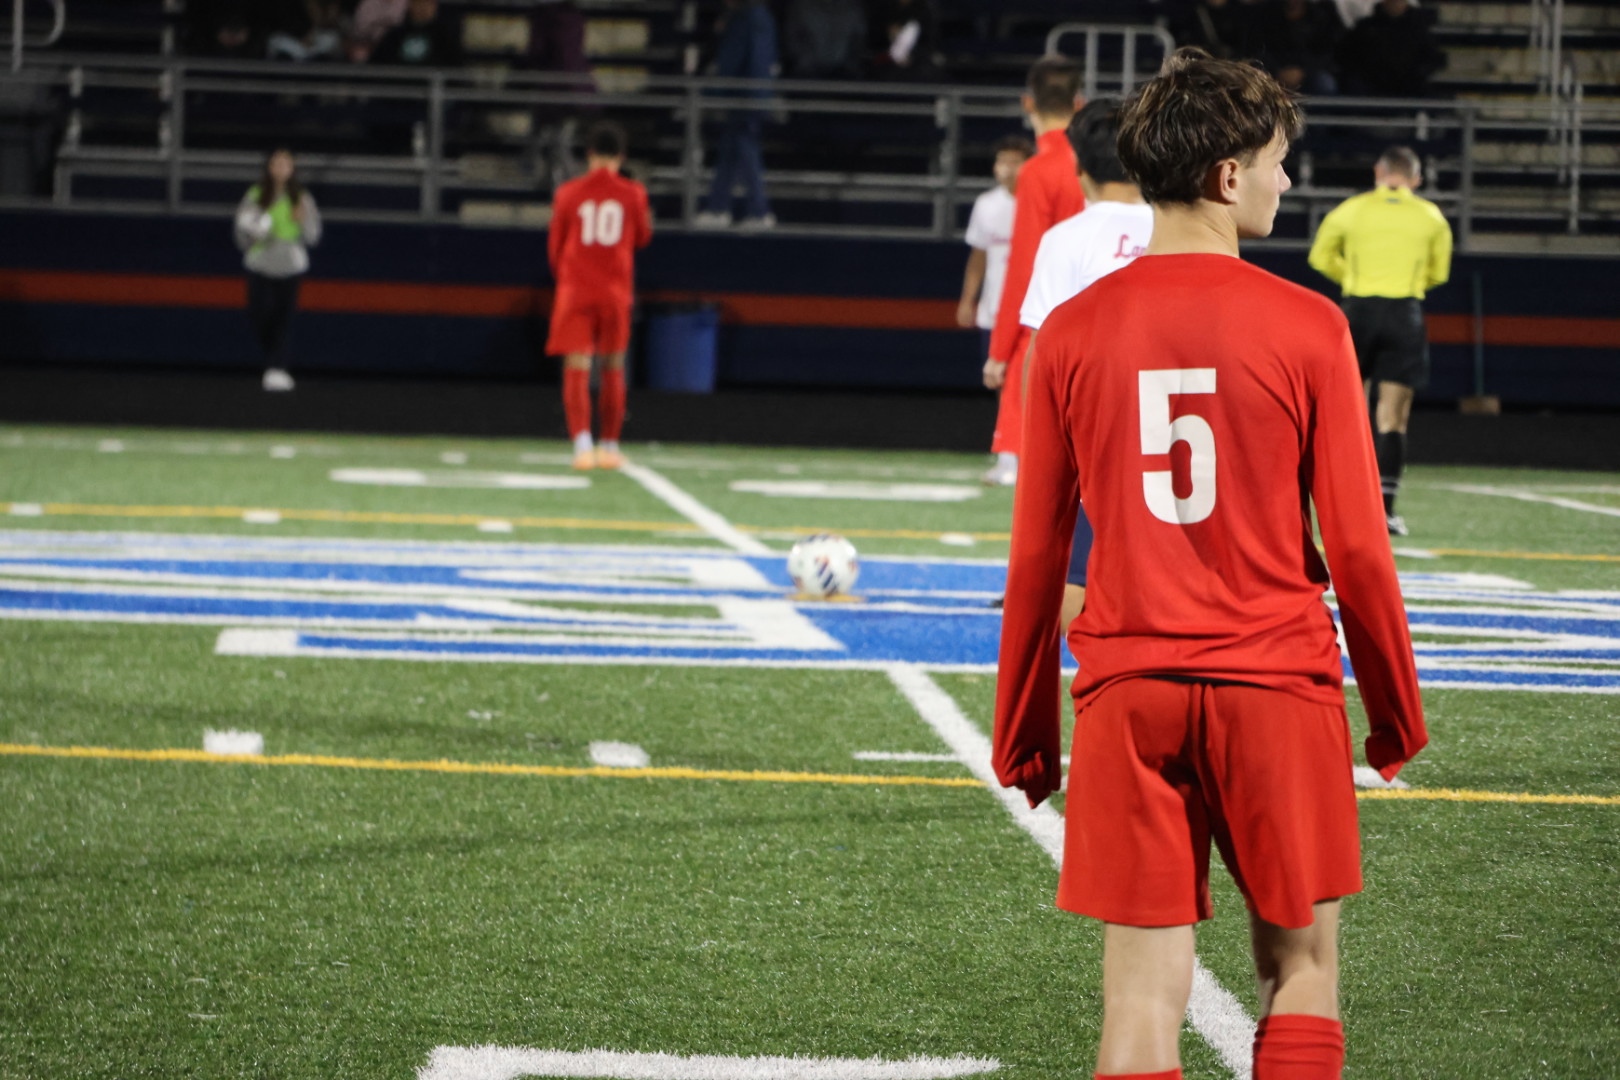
pixel 824 565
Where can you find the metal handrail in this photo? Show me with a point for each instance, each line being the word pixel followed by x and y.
pixel 1547 39
pixel 58 27
pixel 940 183
pixel 1094 33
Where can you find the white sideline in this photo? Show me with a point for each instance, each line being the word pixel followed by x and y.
pixel 692 510
pixel 511 1062
pixel 1525 496
pixel 1211 1010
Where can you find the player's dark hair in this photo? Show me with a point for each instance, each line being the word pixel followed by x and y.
pixel 606 139
pixel 1054 82
pixel 1196 113
pixel 1402 160
pixel 1015 144
pixel 1094 134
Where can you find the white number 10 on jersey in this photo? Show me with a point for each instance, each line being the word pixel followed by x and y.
pixel 1160 433
pixel 601 222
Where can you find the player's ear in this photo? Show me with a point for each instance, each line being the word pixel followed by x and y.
pixel 1221 182
pixel 1028 103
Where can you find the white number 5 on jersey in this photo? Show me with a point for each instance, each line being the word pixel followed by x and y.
pixel 1160 433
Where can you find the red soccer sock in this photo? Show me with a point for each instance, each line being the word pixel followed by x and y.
pixel 611 403
pixel 1298 1047
pixel 1168 1074
pixel 577 400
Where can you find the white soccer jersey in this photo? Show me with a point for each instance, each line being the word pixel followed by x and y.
pixel 990 230
pixel 1078 251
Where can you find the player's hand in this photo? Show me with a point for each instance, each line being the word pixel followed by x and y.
pixel 995 373
pixel 965 312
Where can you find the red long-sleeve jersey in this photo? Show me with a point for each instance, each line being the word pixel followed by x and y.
pixel 1048 192
pixel 598 223
pixel 1200 406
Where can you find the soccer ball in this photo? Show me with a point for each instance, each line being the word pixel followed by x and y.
pixel 824 565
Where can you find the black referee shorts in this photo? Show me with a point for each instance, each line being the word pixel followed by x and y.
pixel 1391 341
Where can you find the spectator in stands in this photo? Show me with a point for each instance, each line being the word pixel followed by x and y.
pixel 1295 39
pixel 557 39
pixel 747 50
pixel 276 225
pixel 425 39
pixel 373 19
pixel 825 39
pixel 1219 27
pixel 1390 53
pixel 224 28
pixel 907 34
pixel 306 30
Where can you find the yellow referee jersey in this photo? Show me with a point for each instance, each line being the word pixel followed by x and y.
pixel 1385 242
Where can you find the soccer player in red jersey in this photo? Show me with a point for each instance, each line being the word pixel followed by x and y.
pixel 1202 408
pixel 1048 192
pixel 598 223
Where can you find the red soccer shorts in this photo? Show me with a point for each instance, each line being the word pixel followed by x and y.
pixel 1160 768
pixel 593 326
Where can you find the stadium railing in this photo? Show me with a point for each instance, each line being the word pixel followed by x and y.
pixel 869 159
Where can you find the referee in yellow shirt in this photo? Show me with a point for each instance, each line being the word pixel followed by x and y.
pixel 1386 248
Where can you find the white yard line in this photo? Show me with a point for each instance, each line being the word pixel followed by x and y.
pixel 695 512
pixel 510 1062
pixel 232 742
pixel 1211 1010
pixel 619 755
pixel 1527 496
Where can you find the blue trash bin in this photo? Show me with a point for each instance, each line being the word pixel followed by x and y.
pixel 682 350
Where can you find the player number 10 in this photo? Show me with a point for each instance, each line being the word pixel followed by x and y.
pixel 1160 433
pixel 601 222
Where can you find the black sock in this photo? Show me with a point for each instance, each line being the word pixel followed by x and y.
pixel 1391 463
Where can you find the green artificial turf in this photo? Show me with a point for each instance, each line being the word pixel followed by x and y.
pixel 164 919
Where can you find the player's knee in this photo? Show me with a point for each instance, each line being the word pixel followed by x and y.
pixel 577 361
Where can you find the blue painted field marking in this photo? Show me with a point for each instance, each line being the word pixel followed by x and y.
pixel 532 603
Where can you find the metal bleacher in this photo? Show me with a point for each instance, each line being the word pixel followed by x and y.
pixel 1521 141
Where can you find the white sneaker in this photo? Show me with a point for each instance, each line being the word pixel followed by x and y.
pixel 758 224
pixel 711 219
pixel 277 380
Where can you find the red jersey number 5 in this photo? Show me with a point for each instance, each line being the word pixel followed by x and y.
pixel 601 222
pixel 1160 433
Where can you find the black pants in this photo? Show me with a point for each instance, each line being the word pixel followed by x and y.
pixel 271 303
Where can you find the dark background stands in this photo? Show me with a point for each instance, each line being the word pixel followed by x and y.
pixel 427 38
pixel 1391 53
pixel 1295 40
pixel 825 39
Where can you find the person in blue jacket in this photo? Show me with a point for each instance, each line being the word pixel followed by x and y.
pixel 747 50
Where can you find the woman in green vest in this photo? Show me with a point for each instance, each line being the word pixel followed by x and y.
pixel 276 225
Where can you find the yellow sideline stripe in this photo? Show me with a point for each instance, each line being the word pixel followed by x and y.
pixel 1456 795
pixel 385 517
pixel 390 517
pixel 203 757
pixel 1560 556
